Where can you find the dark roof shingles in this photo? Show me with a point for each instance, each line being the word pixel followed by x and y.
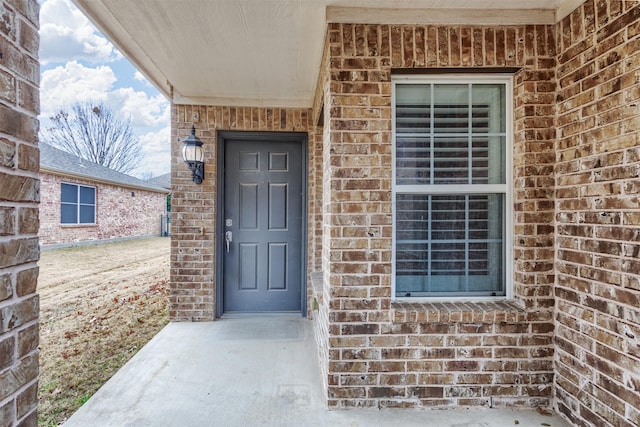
pixel 57 160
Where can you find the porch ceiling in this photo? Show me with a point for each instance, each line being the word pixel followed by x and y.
pixel 268 52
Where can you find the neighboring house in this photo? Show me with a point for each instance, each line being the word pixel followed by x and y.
pixel 81 201
pixel 450 194
pixel 163 181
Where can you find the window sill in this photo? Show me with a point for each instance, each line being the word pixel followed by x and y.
pixel 484 311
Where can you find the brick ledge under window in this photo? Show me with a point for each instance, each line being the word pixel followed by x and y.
pixel 484 311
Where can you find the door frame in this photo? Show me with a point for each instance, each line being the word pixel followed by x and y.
pixel 223 138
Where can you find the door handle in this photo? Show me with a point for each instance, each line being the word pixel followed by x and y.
pixel 228 238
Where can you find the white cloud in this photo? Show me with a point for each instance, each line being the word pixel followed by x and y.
pixel 66 34
pixel 143 109
pixel 156 147
pixel 139 77
pixel 63 85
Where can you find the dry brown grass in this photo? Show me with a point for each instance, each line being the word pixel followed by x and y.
pixel 99 305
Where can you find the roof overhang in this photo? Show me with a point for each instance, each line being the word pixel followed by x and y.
pixel 268 52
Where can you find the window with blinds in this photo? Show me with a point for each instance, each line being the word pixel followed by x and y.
pixel 450 187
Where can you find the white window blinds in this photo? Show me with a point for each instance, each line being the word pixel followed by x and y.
pixel 450 188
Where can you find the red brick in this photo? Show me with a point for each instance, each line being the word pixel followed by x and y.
pixel 426 392
pixel 113 218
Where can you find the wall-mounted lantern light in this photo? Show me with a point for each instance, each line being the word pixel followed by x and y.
pixel 193 156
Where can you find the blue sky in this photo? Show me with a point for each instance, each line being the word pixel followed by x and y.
pixel 79 64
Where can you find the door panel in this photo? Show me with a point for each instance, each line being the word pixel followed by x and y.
pixel 248 262
pixel 263 209
pixel 277 266
pixel 278 198
pixel 248 209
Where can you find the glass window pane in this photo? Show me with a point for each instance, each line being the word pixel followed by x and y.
pixel 489 162
pixel 87 214
pixel 412 217
pixel 413 126
pixel 480 161
pixel 417 96
pixel 448 245
pixel 87 195
pixel 69 193
pixel 69 214
pixel 448 218
pixel 413 160
pixel 486 273
pixel 489 108
pixel 413 109
pixel 423 158
pixel 451 108
pixel 451 160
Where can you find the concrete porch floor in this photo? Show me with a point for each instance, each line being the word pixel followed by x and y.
pixel 256 371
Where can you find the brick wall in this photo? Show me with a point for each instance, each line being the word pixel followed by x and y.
pixel 322 109
pixel 576 122
pixel 118 212
pixel 193 207
pixel 19 195
pixel 384 353
pixel 598 215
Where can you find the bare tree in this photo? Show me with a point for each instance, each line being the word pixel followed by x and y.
pixel 93 132
pixel 146 176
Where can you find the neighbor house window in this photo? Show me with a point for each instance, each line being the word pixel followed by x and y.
pixel 451 189
pixel 78 204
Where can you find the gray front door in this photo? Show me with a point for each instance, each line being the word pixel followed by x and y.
pixel 263 224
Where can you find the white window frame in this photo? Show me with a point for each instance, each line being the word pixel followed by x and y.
pixel 472 78
pixel 95 204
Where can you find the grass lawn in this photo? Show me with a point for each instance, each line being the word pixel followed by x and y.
pixel 98 306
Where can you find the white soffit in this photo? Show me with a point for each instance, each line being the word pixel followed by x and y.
pixel 268 52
